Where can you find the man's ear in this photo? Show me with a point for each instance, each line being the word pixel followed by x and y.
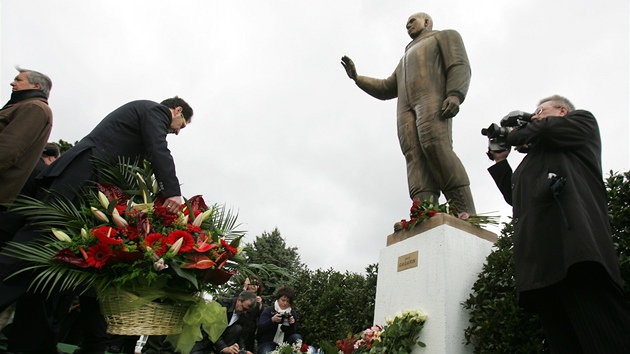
pixel 563 111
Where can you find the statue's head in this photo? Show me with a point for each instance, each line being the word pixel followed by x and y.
pixel 418 23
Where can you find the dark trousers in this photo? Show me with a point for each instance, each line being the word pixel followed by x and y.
pixel 584 313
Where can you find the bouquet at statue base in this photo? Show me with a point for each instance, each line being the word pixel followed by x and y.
pixel 297 348
pixel 148 266
pixel 398 336
pixel 426 209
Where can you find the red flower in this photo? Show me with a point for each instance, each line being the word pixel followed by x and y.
pixel 431 213
pixel 113 192
pixel 187 244
pixel 107 235
pixel 121 209
pixel 191 228
pixel 167 218
pixel 404 223
pixel 98 254
pixel 67 256
pixel 304 348
pixel 131 233
pixel 228 247
pixel 198 261
pixel 157 242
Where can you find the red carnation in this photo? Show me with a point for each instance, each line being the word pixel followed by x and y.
pixel 431 213
pixel 191 228
pixel 131 233
pixel 167 217
pixel 157 242
pixel 98 254
pixel 304 348
pixel 228 248
pixel 187 244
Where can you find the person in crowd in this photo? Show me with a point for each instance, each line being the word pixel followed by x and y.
pixel 566 268
pixel 10 223
pixel 278 323
pixel 137 129
pixel 232 340
pixel 255 284
pixel 25 125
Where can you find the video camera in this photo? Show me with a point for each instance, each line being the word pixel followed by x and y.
pixel 497 135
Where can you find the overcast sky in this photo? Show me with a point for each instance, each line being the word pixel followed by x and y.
pixel 279 132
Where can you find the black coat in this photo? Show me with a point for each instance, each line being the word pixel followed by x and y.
pixel 551 235
pixel 136 129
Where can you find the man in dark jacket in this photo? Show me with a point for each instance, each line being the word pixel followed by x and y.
pixel 25 124
pixel 566 267
pixel 232 340
pixel 136 129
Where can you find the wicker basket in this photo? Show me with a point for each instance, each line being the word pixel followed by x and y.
pixel 151 318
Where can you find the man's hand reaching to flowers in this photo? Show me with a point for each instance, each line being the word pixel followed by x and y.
pixel 173 204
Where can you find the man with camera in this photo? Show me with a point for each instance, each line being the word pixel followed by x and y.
pixel 566 268
pixel 232 340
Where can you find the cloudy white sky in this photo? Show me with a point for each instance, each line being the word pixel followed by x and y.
pixel 280 133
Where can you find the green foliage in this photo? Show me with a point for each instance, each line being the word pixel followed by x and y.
pixel 498 325
pixel 64 145
pixel 618 187
pixel 272 249
pixel 333 305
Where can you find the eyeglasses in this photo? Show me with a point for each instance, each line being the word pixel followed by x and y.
pixel 538 111
pixel 181 115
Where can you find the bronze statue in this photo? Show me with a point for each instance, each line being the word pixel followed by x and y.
pixel 430 81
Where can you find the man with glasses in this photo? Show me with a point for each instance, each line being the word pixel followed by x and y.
pixel 135 130
pixel 232 340
pixel 566 268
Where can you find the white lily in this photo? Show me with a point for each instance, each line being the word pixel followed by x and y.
pixel 176 246
pixel 103 200
pixel 99 214
pixel 61 236
pixel 159 265
pixel 119 220
pixel 84 233
pixel 201 217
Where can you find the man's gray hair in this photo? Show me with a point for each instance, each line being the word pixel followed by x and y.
pixel 559 102
pixel 35 77
pixel 247 295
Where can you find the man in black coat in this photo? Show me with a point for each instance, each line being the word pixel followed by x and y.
pixel 232 340
pixel 566 267
pixel 136 129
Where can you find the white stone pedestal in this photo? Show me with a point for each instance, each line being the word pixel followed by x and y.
pixel 450 255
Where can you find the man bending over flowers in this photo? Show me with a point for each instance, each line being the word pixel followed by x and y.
pixel 137 129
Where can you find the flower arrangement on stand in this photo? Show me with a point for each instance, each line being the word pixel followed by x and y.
pixel 426 209
pixel 398 336
pixel 121 240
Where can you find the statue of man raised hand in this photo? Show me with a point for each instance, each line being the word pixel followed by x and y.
pixel 430 81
